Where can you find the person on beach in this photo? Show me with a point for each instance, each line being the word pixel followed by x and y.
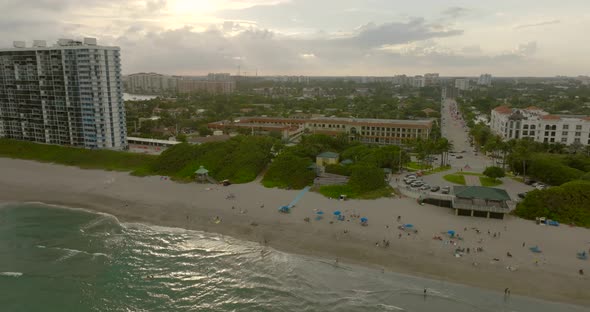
pixel 424 292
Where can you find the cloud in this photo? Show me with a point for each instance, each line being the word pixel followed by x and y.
pixel 455 12
pixel 552 22
pixel 307 56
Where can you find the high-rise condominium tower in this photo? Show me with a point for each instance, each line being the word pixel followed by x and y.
pixel 67 94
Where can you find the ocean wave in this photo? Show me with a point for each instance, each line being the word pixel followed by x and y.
pixel 11 274
pixel 72 252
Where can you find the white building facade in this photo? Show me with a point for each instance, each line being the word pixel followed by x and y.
pixel 67 94
pixel 535 124
pixel 462 84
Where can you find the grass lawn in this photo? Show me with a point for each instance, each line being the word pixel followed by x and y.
pixel 417 166
pixel 470 173
pixel 436 170
pixel 487 181
pixel 334 191
pixel 455 178
pixel 79 157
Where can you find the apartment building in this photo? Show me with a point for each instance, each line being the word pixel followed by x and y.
pixel 485 80
pixel 153 83
pixel 67 94
pixel 538 125
pixel 370 131
pixel 462 84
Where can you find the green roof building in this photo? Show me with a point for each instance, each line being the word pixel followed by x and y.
pixel 481 201
pixel 327 158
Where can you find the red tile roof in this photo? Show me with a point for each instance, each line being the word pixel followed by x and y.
pixel 550 117
pixel 503 109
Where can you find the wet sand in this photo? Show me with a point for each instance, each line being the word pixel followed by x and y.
pixel 551 275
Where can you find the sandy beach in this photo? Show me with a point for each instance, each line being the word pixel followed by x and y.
pixel 251 213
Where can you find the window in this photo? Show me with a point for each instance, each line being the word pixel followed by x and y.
pixel 563 140
pixel 565 127
pixel 578 127
pixel 578 134
pixel 577 140
pixel 552 140
pixel 525 133
pixel 564 133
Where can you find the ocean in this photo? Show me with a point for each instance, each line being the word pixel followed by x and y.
pixel 59 259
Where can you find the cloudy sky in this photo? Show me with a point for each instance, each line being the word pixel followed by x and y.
pixel 320 37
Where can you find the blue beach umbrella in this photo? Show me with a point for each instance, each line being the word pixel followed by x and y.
pixel 452 233
pixel 337 212
pixel 320 212
pixel 364 219
pixel 408 225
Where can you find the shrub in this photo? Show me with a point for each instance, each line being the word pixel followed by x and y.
pixel 365 178
pixel 568 203
pixel 289 170
pixel 494 172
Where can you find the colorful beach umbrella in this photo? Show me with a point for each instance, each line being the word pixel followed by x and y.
pixel 320 212
pixel 452 233
pixel 364 219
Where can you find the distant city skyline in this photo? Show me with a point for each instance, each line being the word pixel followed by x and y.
pixel 319 38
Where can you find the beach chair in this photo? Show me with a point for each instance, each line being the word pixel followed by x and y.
pixel 582 255
pixel 535 249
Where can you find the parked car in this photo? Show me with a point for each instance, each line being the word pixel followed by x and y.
pixel 522 195
pixel 459 157
pixel 417 184
pixel 435 188
pixel 540 186
pixel 446 190
pixel 425 187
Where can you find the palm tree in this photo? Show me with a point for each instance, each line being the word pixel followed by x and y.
pixel 443 146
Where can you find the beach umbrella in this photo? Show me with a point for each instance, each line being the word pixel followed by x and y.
pixel 337 212
pixel 320 212
pixel 364 219
pixel 452 233
pixel 408 225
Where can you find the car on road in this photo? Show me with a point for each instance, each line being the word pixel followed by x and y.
pixel 446 190
pixel 459 157
pixel 425 187
pixel 435 188
pixel 522 195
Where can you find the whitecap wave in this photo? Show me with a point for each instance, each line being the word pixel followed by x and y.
pixel 11 274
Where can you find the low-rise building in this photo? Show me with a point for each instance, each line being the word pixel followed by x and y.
pixel 364 130
pixel 538 125
pixel 327 158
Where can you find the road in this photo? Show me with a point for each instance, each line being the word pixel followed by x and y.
pixel 454 129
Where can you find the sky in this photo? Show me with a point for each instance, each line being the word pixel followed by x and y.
pixel 319 37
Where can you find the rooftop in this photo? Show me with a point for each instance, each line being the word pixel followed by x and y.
pixel 328 155
pixel 481 192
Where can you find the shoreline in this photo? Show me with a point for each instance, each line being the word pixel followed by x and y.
pixel 155 201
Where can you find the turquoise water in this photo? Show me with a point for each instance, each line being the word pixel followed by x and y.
pixel 57 259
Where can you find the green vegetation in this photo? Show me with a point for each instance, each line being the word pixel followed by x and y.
pixel 414 166
pixel 365 178
pixel 334 191
pixel 455 178
pixel 487 181
pixel 437 170
pixel 79 157
pixel 568 203
pixel 239 159
pixel 344 170
pixel 492 174
pixel 289 171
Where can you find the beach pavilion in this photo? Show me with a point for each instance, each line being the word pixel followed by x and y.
pixel 327 158
pixel 202 174
pixel 480 201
